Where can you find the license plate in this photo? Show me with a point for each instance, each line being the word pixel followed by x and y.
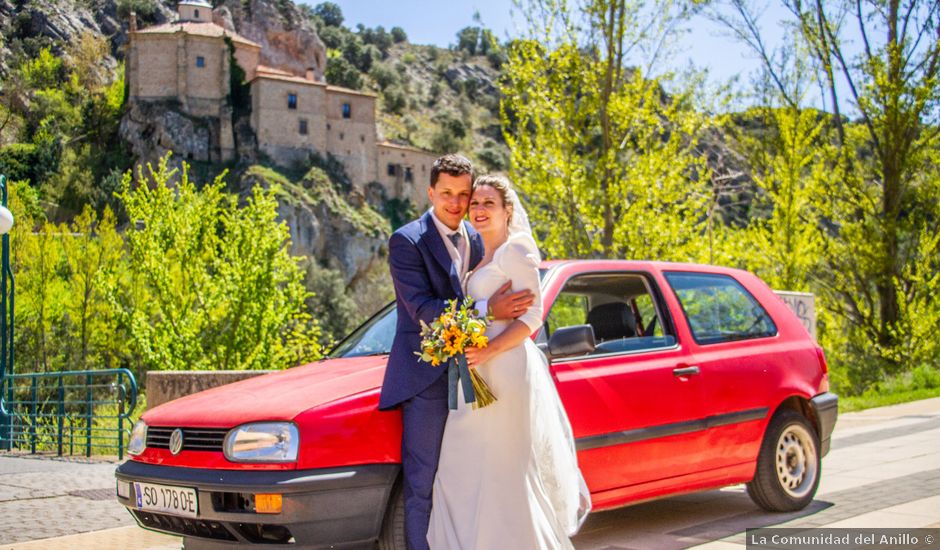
pixel 180 501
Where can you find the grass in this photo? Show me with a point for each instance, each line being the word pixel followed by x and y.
pixel 922 382
pixel 865 401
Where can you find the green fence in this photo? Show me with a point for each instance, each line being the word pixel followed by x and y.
pixel 69 412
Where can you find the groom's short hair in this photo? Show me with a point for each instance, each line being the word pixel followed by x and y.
pixel 451 164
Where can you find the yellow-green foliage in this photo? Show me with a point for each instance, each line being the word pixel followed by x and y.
pixel 631 188
pixel 223 292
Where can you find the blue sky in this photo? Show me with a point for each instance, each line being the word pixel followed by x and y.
pixel 426 22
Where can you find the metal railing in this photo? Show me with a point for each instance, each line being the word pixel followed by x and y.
pixel 61 412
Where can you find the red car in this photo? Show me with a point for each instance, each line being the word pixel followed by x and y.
pixel 676 378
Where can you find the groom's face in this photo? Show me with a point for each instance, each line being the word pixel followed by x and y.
pixel 450 197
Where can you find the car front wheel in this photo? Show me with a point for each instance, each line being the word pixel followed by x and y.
pixel 788 465
pixel 393 528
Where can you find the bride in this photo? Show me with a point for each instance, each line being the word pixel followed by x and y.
pixel 508 474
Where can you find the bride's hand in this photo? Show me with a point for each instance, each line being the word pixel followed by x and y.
pixel 477 356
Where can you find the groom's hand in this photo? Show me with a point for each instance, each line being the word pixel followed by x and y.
pixel 506 304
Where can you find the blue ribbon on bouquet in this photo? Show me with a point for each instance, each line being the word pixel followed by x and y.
pixel 457 371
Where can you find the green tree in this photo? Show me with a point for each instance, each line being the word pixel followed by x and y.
pixel 880 216
pixel 468 39
pixel 330 13
pixel 606 160
pixel 398 35
pixel 223 291
pixel 340 72
pixel 41 294
pixel 789 171
pixel 94 253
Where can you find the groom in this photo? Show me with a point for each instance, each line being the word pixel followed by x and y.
pixel 429 259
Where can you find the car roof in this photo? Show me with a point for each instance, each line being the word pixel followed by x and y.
pixel 639 265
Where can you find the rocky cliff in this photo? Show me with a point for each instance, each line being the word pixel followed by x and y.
pixel 288 40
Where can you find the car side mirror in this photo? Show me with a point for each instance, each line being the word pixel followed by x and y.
pixel 573 340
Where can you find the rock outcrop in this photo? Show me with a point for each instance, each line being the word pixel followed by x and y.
pixel 288 40
pixel 467 75
pixel 152 129
pixel 342 232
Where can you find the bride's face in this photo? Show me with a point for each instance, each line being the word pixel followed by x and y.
pixel 487 211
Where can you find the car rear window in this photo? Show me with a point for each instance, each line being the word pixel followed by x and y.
pixel 719 309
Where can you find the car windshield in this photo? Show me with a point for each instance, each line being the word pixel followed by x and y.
pixel 374 337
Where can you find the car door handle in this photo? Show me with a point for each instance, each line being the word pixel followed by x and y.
pixel 685 371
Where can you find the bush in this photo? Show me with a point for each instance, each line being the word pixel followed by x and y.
pixel 17 161
pixel 398 35
pixel 450 134
pixel 143 8
pixel 329 302
pixel 395 100
pixel 383 75
pixel 340 72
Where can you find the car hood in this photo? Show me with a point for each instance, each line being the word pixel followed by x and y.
pixel 276 396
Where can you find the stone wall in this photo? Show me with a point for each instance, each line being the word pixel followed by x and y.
pixel 165 386
pixel 165 66
pixel 352 140
pixel 153 73
pixel 278 126
pixel 405 172
pixel 211 81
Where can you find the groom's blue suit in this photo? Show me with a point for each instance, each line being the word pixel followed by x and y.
pixel 425 277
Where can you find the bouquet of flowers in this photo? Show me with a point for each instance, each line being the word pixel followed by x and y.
pixel 444 341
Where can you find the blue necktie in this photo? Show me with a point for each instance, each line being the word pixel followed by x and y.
pixel 455 238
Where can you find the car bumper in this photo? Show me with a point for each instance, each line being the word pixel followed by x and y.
pixel 826 408
pixel 328 508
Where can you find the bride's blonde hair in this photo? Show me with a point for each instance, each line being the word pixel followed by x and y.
pixel 501 184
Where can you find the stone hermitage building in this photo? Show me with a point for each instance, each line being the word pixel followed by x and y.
pixel 188 61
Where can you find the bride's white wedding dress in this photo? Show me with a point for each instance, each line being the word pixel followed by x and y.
pixel 508 475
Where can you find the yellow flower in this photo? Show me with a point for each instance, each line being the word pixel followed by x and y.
pixel 479 341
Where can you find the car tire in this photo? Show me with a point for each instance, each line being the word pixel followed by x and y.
pixel 392 536
pixel 788 465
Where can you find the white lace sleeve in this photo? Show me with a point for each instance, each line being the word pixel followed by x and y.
pixel 519 260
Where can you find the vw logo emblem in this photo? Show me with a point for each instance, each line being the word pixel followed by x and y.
pixel 176 441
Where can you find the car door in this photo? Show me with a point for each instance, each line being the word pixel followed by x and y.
pixel 734 343
pixel 632 407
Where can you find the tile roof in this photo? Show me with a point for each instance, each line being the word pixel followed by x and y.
pixel 198 29
pixel 340 89
pixel 393 145
pixel 271 73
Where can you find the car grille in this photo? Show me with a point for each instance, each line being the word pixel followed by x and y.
pixel 256 533
pixel 184 526
pixel 194 439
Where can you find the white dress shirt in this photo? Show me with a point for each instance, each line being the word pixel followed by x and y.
pixel 460 254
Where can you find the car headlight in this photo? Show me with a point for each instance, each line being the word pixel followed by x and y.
pixel 263 442
pixel 138 441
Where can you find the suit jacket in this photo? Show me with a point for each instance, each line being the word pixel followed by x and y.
pixel 425 277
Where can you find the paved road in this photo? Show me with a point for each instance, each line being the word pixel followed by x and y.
pixel 883 471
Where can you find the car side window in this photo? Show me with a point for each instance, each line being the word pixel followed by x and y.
pixel 619 307
pixel 719 309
